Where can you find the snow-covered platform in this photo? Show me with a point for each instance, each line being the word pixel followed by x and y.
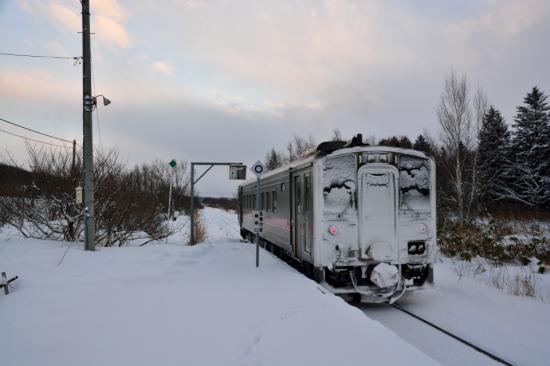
pixel 166 304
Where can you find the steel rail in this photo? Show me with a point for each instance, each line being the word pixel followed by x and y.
pixel 460 339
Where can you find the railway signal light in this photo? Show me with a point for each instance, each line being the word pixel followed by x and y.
pixel 258 222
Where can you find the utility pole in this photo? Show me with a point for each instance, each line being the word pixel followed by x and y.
pixel 88 104
pixel 192 207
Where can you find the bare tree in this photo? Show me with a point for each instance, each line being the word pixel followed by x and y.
pixel 336 135
pixel 130 205
pixel 455 119
pixel 303 145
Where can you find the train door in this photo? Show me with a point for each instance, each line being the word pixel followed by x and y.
pixel 377 213
pixel 297 214
pixel 308 214
pixel 302 217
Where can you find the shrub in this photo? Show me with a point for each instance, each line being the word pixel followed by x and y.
pixel 491 240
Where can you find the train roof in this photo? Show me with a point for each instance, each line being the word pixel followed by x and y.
pixel 316 155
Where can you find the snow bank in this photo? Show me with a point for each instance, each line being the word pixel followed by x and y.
pixel 166 304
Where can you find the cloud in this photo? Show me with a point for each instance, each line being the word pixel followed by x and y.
pixel 33 84
pixel 162 68
pixel 111 31
pixel 107 17
pixel 505 19
pixel 110 8
pixel 56 49
pixel 65 16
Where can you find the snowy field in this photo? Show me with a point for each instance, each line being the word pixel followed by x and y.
pixel 166 304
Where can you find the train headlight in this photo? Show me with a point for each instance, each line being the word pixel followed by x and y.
pixel 333 230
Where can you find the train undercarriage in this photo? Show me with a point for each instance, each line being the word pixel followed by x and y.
pixel 355 282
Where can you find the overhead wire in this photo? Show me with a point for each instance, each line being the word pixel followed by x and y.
pixel 35 131
pixel 75 58
pixel 33 140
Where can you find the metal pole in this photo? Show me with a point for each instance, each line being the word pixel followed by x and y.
pixel 74 159
pixel 192 206
pixel 170 196
pixel 89 226
pixel 258 209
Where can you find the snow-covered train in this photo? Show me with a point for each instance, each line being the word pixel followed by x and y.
pixel 358 219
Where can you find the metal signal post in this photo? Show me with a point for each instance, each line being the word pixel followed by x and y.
pixel 258 168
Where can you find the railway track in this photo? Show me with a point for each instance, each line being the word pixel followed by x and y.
pixel 494 359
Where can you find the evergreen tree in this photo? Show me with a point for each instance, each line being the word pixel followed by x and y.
pixel 396 141
pixel 421 144
pixel 494 141
pixel 405 143
pixel 273 160
pixel 528 177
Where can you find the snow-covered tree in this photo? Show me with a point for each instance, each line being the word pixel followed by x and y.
pixel 493 145
pixel 528 173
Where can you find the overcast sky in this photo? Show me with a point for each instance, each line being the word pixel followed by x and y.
pixel 228 80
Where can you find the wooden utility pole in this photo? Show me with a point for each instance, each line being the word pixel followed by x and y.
pixel 88 105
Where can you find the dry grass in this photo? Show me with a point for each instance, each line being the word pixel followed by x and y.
pixel 514 280
pixel 200 229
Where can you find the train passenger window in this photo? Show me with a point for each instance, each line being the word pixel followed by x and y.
pixel 268 201
pixel 274 197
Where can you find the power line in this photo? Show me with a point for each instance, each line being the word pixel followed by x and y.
pixel 33 140
pixel 76 58
pixel 38 132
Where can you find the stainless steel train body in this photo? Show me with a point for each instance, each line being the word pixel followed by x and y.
pixel 360 220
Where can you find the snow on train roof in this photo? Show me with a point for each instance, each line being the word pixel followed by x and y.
pixel 313 155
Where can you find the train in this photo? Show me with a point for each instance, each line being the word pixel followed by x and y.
pixel 358 219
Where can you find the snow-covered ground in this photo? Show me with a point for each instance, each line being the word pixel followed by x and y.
pixel 514 327
pixel 167 304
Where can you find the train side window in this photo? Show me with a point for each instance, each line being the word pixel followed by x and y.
pixel 274 198
pixel 268 201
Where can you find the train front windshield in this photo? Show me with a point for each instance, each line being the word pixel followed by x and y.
pixel 414 183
